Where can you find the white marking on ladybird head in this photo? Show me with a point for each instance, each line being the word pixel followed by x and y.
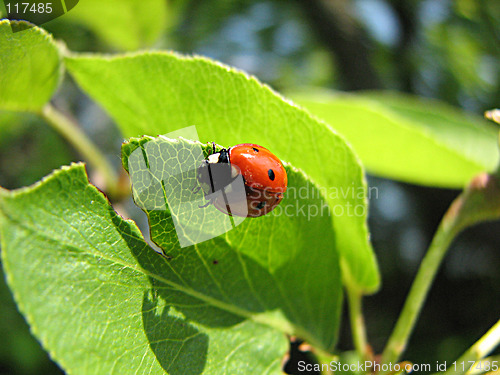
pixel 213 158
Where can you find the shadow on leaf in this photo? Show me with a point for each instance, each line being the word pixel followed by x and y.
pixel 177 344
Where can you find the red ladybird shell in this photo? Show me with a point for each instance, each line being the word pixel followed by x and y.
pixel 258 203
pixel 260 168
pixel 265 181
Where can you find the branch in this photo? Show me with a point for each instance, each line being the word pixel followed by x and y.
pixel 335 26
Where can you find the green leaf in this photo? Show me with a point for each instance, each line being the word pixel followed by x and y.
pixel 408 138
pixel 23 353
pixel 156 93
pixel 30 66
pixel 100 300
pixel 124 24
pixel 273 252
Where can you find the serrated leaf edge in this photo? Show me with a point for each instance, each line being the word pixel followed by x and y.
pixel 265 318
pixel 58 46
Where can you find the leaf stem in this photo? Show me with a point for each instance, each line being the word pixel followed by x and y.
pixel 81 142
pixel 357 321
pixel 425 276
pixel 480 201
pixel 479 350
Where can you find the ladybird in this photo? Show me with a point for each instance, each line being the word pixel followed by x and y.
pixel 264 177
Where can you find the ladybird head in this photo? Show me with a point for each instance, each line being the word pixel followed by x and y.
pixel 215 172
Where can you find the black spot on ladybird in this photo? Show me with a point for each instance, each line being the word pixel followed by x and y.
pixel 255 149
pixel 261 205
pixel 271 175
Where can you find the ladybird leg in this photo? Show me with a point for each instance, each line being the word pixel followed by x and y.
pixel 196 189
pixel 205 205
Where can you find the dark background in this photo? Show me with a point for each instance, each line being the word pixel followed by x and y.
pixel 443 49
